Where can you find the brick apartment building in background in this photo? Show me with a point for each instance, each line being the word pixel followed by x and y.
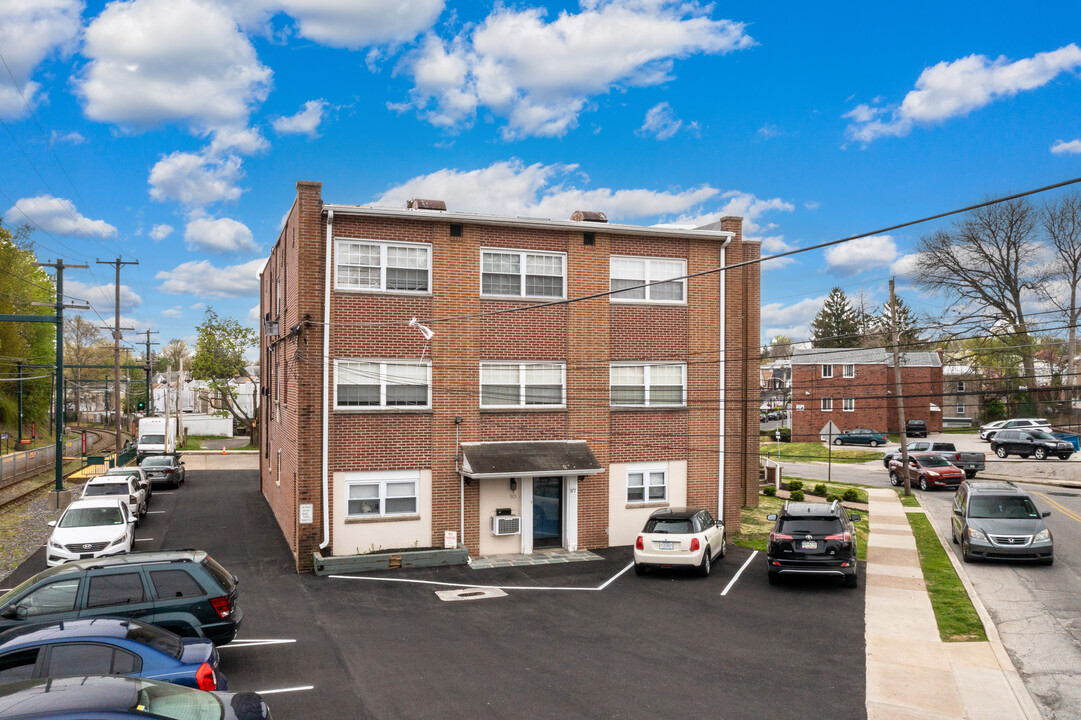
pixel 854 387
pixel 572 419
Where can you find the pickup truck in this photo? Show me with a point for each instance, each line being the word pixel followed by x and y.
pixel 970 462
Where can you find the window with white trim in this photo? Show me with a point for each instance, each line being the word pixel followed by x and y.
pixel 848 404
pixel 827 404
pixel 827 371
pixel 647 482
pixel 628 272
pixel 517 273
pixel 848 371
pixel 648 385
pixel 960 409
pixel 381 383
pixel 522 384
pixel 381 494
pixel 379 266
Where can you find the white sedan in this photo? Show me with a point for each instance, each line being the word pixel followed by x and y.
pixel 680 537
pixel 91 528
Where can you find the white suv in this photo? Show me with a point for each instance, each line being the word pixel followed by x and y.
pixel 987 432
pixel 122 487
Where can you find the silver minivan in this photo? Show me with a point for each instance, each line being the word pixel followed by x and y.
pixel 997 520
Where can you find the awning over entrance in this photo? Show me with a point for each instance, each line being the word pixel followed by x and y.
pixel 528 459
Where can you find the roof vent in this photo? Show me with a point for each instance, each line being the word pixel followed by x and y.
pixel 589 216
pixel 419 204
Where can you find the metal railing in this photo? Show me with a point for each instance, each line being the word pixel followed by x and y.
pixel 26 463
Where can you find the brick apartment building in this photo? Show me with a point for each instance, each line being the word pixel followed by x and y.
pixel 854 387
pixel 573 419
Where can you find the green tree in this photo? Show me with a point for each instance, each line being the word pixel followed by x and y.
pixel 907 328
pixel 836 325
pixel 219 358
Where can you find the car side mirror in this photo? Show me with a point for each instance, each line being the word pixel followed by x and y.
pixel 958 512
pixel 854 518
pixel 52 523
pixel 1047 513
pixel 15 612
pixel 131 520
pixel 771 516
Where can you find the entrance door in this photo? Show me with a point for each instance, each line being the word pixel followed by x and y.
pixel 547 512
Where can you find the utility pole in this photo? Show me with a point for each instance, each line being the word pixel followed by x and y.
pixel 149 372
pixel 116 345
pixel 20 364
pixel 895 337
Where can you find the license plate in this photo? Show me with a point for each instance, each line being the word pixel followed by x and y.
pixel 809 545
pixel 666 545
pixel 84 556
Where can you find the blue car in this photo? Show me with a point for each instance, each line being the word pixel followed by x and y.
pixel 108 646
pixel 861 436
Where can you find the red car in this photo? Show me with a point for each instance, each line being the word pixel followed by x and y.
pixel 927 470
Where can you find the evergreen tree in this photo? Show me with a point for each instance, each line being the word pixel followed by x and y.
pixel 836 325
pixel 909 334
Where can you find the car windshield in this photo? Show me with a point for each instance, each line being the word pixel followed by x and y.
pixel 152 440
pixel 157 462
pixel 97 489
pixel 934 461
pixel 156 638
pixel 179 703
pixel 1041 435
pixel 1002 506
pixel 91 517
pixel 667 526
pixel 810 526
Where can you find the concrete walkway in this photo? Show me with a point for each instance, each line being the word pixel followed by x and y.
pixel 911 673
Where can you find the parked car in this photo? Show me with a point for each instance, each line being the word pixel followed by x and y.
pixel 1025 443
pixel 988 433
pixel 861 436
pixel 116 696
pixel 916 428
pixel 164 469
pixel 928 470
pixel 680 537
pixel 91 528
pixel 997 520
pixel 124 487
pixel 108 646
pixel 970 462
pixel 139 473
pixel 184 591
pixel 813 539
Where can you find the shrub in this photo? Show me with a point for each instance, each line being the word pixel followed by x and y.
pixel 851 495
pixel 832 497
pixel 795 484
pixel 820 489
pixel 769 491
pixel 796 495
pixel 786 434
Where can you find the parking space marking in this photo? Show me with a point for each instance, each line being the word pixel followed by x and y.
pixel 1061 508
pixel 257 643
pixel 282 690
pixel 142 539
pixel 468 594
pixel 736 576
pixel 155 512
pixel 487 587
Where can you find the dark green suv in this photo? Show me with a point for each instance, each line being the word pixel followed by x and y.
pixel 185 591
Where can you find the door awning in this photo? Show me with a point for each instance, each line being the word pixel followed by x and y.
pixel 528 459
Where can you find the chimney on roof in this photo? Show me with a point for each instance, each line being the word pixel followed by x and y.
pixel 589 216
pixel 419 204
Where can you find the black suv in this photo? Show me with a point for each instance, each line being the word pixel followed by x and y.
pixel 185 591
pixel 916 428
pixel 1036 442
pixel 813 539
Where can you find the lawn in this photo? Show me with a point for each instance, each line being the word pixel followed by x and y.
pixel 957 618
pixel 816 452
pixel 756 528
pixel 907 500
pixel 831 488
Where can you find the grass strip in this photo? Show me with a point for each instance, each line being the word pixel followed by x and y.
pixel 956 617
pixel 907 500
pixel 755 528
pixel 816 452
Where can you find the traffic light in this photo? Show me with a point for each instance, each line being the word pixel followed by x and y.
pixel 141 405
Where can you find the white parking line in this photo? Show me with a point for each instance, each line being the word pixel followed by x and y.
pixel 155 512
pixel 256 643
pixel 485 587
pixel 159 492
pixel 142 539
pixel 736 576
pixel 281 690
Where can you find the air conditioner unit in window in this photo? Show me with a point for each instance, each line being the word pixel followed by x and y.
pixel 506 525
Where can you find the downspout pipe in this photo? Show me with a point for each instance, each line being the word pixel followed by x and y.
pixel 326 380
pixel 723 385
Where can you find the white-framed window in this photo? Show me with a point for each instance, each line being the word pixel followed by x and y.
pixel 648 385
pixel 848 371
pixel 379 266
pixel 382 383
pixel 381 494
pixel 960 409
pixel 827 404
pixel 521 273
pixel 827 371
pixel 848 404
pixel 627 272
pixel 647 482
pixel 960 386
pixel 529 384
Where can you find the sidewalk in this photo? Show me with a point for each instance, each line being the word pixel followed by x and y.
pixel 911 673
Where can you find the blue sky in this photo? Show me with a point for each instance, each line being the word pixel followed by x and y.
pixel 173 131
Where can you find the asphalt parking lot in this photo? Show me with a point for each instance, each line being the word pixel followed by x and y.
pixel 577 640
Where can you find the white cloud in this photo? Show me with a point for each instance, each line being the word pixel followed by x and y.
pixel 1062 147
pixel 768 132
pixel 155 61
pixel 952 89
pixel 792 320
pixel 241 139
pixel 812 205
pixel 661 122
pixel 72 137
pixel 352 24
pixel 58 216
pixel 253 315
pixel 30 31
pixel 197 306
pixel 221 235
pixel 160 232
pixel 855 256
pixel 194 179
pixel 539 75
pixel 172 313
pixel 202 278
pixel 512 188
pixel 102 297
pixel 905 266
pixel 305 122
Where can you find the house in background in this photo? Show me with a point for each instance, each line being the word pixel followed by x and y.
pixel 775 384
pixel 961 388
pixel 854 387
pixel 527 408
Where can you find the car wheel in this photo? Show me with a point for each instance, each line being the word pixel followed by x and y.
pixel 724 545
pixel 874 443
pixel 176 484
pixel 837 441
pixel 966 555
pixel 639 570
pixel 1065 456
pixel 1001 452
pixel 707 563
pixel 895 479
pixel 953 534
pixel 923 483
pixel 774 578
pixel 143 510
pixel 970 474
pixel 852 580
pixel 1041 453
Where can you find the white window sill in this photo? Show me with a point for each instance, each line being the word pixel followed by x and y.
pixel 522 408
pixel 520 298
pixel 632 505
pixel 380 518
pixel 395 293
pixel 650 303
pixel 414 410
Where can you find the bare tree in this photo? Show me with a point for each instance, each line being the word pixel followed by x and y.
pixel 987 265
pixel 1061 220
pixel 173 352
pixel 82 346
